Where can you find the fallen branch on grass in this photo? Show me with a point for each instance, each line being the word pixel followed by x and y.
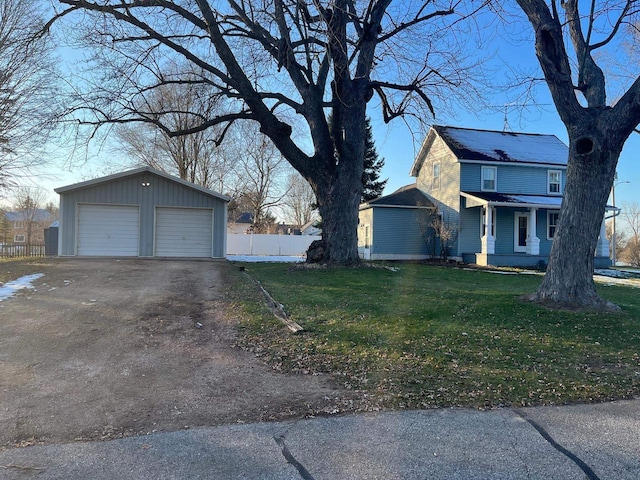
pixel 277 308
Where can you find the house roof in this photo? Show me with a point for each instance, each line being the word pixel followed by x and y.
pixel 310 224
pixel 244 217
pixel 137 171
pixel 489 146
pixel 517 200
pixel 407 196
pixel 37 215
pixel 514 200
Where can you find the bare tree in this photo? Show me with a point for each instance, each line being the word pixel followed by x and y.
pixel 260 174
pixel 27 81
pixel 287 59
pixel 181 106
pixel 597 132
pixel 31 216
pixel 425 218
pixel 435 229
pixel 299 202
pixel 621 238
pixel 447 233
pixel 630 215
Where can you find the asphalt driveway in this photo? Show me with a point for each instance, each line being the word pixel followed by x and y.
pixel 106 348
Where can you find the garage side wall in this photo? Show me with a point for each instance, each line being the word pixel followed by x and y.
pixel 147 191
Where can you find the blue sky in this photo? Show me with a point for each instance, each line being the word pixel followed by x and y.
pixel 510 51
pixel 396 144
pixel 510 48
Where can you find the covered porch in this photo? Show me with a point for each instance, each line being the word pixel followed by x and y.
pixel 517 230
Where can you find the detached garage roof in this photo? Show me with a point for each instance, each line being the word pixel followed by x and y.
pixel 137 171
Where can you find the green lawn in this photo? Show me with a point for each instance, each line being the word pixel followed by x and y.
pixel 427 336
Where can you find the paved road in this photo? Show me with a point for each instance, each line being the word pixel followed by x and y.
pixel 569 443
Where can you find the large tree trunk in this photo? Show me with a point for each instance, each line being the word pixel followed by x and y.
pixel 338 206
pixel 590 171
pixel 338 194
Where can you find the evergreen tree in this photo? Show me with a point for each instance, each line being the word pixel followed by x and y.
pixel 371 183
pixel 372 186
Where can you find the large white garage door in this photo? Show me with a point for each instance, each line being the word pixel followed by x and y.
pixel 108 230
pixel 183 232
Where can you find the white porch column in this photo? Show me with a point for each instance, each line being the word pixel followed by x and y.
pixel 533 242
pixel 602 247
pixel 488 240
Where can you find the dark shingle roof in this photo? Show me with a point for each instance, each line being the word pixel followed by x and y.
pixel 245 217
pixel 39 215
pixel 495 146
pixel 407 196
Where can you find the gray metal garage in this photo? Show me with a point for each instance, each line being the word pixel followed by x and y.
pixel 141 213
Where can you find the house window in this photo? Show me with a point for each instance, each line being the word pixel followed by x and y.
pixel 552 224
pixel 489 175
pixel 19 238
pixel 554 179
pixel 435 183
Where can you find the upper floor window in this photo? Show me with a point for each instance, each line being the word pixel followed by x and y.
pixel 435 181
pixel 552 224
pixel 489 177
pixel 554 180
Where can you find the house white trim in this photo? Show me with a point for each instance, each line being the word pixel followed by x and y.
pixel 483 186
pixel 551 173
pixel 555 225
pixel 517 217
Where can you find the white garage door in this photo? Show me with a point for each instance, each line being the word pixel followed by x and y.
pixel 183 232
pixel 108 230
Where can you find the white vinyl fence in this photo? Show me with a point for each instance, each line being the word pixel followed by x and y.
pixel 278 245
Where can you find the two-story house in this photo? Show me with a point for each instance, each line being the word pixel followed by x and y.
pixel 496 194
pixel 26 226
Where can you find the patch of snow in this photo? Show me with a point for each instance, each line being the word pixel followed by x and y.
pixel 9 289
pixel 266 258
pixel 616 273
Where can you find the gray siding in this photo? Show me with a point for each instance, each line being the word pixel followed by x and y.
pixel 130 191
pixel 505 225
pixel 470 230
pixel 510 179
pixel 397 231
pixel 545 245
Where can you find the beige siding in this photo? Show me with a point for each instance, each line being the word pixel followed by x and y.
pixel 366 220
pixel 447 196
pixel 448 192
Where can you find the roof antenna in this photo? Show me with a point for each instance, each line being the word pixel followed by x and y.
pixel 506 127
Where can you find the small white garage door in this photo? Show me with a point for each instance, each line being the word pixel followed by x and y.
pixel 108 230
pixel 184 232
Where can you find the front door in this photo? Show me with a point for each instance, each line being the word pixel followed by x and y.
pixel 520 232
